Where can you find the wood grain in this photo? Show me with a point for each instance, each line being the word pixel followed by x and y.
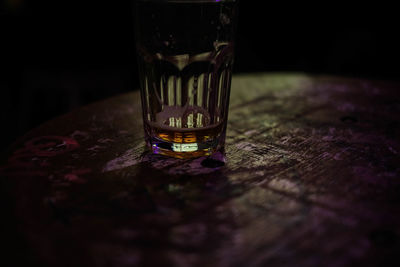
pixel 309 177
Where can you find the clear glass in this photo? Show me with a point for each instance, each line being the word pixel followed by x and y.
pixel 185 58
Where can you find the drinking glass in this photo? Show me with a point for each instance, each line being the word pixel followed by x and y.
pixel 185 58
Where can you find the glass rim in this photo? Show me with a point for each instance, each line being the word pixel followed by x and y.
pixel 189 1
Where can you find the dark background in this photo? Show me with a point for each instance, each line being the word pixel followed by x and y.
pixel 59 55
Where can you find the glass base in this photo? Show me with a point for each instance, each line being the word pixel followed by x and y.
pixel 183 150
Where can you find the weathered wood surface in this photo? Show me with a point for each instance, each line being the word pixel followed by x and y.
pixel 311 178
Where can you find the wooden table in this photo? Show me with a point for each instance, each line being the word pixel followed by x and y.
pixel 310 178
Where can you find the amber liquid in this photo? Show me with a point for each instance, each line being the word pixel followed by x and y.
pixel 183 142
pixel 188 136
